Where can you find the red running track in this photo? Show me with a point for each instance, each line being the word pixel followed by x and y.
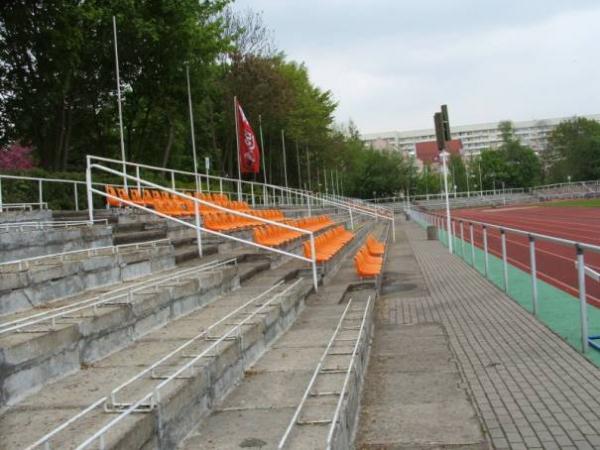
pixel 555 262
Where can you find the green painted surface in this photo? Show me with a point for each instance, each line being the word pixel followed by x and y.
pixel 558 310
pixel 582 202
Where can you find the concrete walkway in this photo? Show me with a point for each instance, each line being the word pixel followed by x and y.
pixel 530 388
pixel 414 396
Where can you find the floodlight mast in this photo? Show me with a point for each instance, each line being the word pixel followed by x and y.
pixel 443 136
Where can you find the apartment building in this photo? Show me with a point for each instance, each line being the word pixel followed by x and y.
pixel 474 138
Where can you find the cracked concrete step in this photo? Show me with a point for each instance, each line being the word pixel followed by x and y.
pixel 52 278
pixel 182 402
pixel 45 351
pixel 258 411
pixel 16 244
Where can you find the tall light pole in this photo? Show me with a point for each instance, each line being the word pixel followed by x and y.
pixel 284 163
pixel 119 104
pixel 442 132
pixel 480 178
pixel 192 134
pixel 308 168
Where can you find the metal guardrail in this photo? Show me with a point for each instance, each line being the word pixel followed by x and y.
pixel 197 225
pixel 533 237
pixel 300 197
pixel 25 263
pixel 148 401
pixel 22 226
pixel 360 338
pixel 111 297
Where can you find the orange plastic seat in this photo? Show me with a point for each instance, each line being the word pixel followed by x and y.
pixel 109 200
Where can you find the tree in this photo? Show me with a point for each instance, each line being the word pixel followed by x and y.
pixel 58 80
pixel 574 150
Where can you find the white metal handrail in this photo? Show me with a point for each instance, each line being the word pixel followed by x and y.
pixel 51 224
pixel 580 248
pixel 96 301
pixel 338 407
pixel 308 197
pixel 114 249
pixel 154 394
pixel 197 226
pixel 313 379
pixel 204 333
pixel 45 440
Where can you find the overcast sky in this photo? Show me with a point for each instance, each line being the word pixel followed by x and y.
pixel 391 63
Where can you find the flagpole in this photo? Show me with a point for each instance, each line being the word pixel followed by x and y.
pixel 308 168
pixel 298 161
pixel 262 149
pixel 192 134
pixel 237 141
pixel 284 164
pixel 119 104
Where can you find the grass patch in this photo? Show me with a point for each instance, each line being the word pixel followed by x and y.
pixel 582 202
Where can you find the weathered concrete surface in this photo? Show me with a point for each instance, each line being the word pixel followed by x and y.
pixel 30 360
pixel 52 278
pixel 183 402
pixel 531 388
pixel 414 396
pixel 25 216
pixel 27 243
pixel 257 413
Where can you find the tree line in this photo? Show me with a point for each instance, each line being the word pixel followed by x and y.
pixel 58 92
pixel 572 153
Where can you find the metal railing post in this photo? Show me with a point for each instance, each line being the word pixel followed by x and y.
pixel 252 194
pixel 582 298
pixel 472 245
pixel 173 180
pixel 198 231
pixel 485 252
pixel 40 193
pixel 221 185
pixel 137 175
pixel 351 220
pixel 314 261
pixel 75 196
pixel 504 259
pixel 1 194
pixel 88 184
pixel 534 291
pixel 462 240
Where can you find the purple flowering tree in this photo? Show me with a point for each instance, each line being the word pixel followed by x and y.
pixel 16 157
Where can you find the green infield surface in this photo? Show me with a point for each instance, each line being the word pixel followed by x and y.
pixel 558 310
pixel 582 202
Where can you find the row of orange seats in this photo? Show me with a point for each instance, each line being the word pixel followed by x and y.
pixel 171 204
pixel 328 244
pixel 219 221
pixel 369 259
pixel 273 236
pixel 220 200
pixel 161 201
pixel 315 223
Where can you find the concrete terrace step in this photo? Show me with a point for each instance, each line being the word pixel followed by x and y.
pixel 53 277
pixel 48 350
pixel 29 242
pixel 183 401
pixel 258 412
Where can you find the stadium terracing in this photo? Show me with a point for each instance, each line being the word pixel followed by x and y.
pixel 168 309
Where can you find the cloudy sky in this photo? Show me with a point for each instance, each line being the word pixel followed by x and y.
pixel 391 63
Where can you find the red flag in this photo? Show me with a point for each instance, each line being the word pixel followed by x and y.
pixel 249 153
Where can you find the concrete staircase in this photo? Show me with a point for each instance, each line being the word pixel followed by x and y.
pixel 142 363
